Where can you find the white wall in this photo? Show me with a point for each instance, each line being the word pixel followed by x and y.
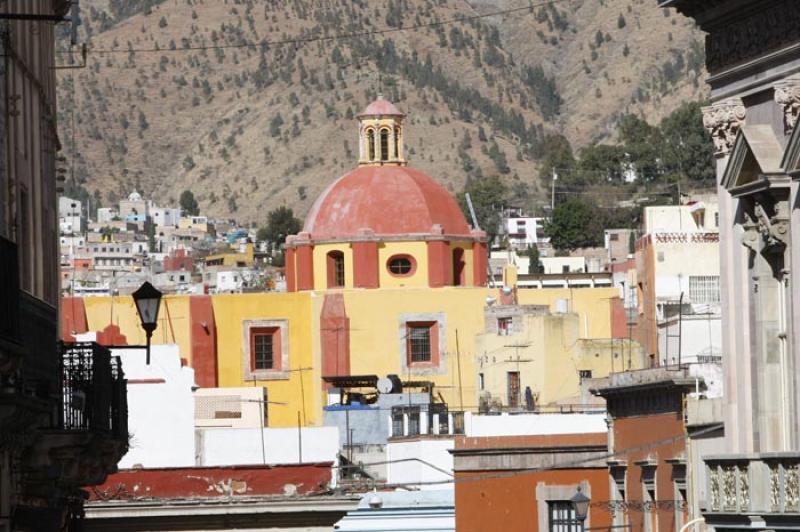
pixel 533 424
pixel 229 446
pixel 160 407
pixel 422 455
pixel 556 264
pixel 160 415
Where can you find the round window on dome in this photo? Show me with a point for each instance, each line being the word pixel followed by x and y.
pixel 401 265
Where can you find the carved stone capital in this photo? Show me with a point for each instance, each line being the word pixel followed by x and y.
pixel 723 120
pixel 787 95
pixel 766 233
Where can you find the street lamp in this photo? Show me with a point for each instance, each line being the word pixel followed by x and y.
pixel 148 301
pixel 580 503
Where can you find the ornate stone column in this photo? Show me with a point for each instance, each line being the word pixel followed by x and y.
pixel 787 95
pixel 723 120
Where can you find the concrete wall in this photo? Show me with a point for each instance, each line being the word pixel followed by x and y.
pixel 525 424
pixel 221 447
pixel 160 407
pixel 425 460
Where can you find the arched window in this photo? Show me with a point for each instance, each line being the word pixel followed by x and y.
pixel 384 144
pixel 397 143
pixel 371 144
pixel 335 269
pixel 458 267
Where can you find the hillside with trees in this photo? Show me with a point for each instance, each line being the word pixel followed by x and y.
pixel 250 104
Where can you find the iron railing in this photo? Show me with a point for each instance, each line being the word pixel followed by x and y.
pixel 94 397
pixel 9 291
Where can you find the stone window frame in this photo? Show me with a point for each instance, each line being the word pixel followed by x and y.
pixel 558 492
pixel 282 370
pixel 438 365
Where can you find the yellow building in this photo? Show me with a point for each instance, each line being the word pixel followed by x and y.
pixel 242 256
pixel 386 277
pixel 532 347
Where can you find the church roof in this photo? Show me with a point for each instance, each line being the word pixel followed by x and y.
pixel 381 107
pixel 387 200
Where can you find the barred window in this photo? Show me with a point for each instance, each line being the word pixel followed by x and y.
pixel 263 351
pixel 562 517
pixel 419 342
pixel 704 288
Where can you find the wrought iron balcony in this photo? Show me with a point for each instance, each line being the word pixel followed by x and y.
pixel 9 292
pixel 764 487
pixel 94 397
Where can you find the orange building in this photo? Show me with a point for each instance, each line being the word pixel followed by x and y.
pixel 523 483
pixel 648 442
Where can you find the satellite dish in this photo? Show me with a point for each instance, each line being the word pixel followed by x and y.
pixel 385 385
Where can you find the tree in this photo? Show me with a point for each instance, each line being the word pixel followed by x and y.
pixel 643 145
pixel 601 162
pixel 575 223
pixel 687 149
pixel 281 222
pixel 189 204
pixel 534 263
pixel 488 195
pixel 556 155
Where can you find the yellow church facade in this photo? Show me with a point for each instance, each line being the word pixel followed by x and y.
pixel 385 278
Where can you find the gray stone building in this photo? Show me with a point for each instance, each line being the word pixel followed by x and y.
pixel 753 59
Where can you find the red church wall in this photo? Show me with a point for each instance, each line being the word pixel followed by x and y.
pixel 204 341
pixel 305 267
pixel 438 263
pixel 335 336
pixel 365 264
pixel 73 317
pixel 480 264
pixel 291 275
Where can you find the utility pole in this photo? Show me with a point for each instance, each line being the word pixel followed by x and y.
pixel 553 194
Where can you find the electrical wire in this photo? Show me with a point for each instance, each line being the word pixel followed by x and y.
pixel 561 465
pixel 298 41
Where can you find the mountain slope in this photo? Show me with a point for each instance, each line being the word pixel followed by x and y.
pixel 184 94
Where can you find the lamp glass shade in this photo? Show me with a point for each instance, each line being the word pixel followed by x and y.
pixel 148 301
pixel 580 504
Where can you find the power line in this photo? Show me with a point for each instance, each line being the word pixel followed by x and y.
pixel 560 465
pixel 298 41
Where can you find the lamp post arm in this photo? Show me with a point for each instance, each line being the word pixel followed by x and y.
pixel 694 521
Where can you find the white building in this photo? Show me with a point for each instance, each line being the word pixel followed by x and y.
pixel 134 206
pixel 524 231
pixel 70 219
pixel 165 216
pixel 107 214
pixel 678 282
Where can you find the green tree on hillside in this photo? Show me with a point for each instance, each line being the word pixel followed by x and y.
pixel 575 223
pixel 281 222
pixel 556 155
pixel 189 203
pixel 688 151
pixel 488 196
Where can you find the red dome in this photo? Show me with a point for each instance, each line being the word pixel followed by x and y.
pixel 381 107
pixel 389 200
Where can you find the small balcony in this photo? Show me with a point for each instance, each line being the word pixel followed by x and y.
pixel 745 489
pixel 88 433
pixel 94 398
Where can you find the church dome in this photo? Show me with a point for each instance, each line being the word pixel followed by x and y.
pixel 380 107
pixel 388 200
